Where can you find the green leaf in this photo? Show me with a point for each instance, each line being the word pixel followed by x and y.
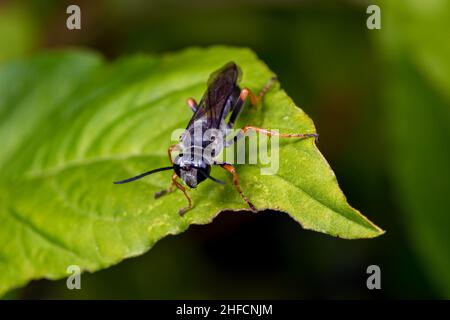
pixel 74 123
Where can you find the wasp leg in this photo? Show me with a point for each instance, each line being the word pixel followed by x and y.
pixel 270 133
pixel 175 183
pixel 159 194
pixel 265 88
pixel 192 104
pixel 183 210
pixel 254 100
pixel 170 188
pixel 232 170
pixel 170 150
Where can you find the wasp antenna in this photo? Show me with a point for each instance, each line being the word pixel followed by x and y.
pixel 143 175
pixel 209 177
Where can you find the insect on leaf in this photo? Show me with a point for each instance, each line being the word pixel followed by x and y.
pixel 72 123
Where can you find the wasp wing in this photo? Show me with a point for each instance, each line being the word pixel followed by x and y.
pixel 222 86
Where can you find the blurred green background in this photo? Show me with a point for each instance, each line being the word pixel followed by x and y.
pixel 380 100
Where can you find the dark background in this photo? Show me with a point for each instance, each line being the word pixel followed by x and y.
pixel 341 74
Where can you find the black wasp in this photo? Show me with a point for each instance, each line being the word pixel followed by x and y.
pixel 218 110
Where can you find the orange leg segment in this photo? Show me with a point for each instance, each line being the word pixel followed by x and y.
pixel 282 135
pixel 175 183
pixel 232 170
pixel 183 210
pixel 170 150
pixel 256 98
pixel 192 104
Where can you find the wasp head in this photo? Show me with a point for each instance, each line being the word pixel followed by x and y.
pixel 191 171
